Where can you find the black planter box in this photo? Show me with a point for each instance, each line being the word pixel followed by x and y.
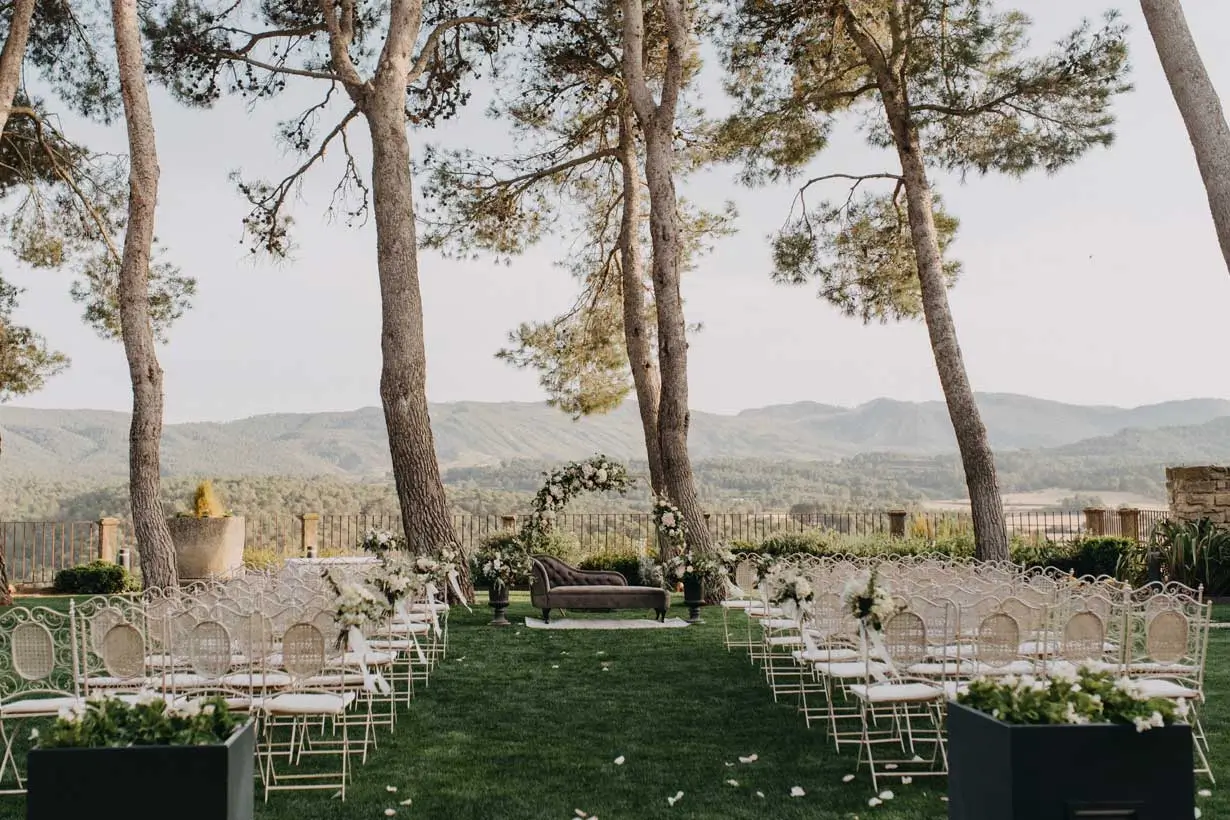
pixel 153 782
pixel 998 771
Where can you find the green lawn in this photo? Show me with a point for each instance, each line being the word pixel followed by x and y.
pixel 520 723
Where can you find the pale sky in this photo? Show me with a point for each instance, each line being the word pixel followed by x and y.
pixel 1103 284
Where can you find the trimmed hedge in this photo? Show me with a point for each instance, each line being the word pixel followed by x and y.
pixel 97 578
pixel 1088 556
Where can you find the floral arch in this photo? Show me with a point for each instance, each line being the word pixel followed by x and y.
pixel 597 474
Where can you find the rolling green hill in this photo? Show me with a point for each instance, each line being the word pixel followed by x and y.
pixel 92 444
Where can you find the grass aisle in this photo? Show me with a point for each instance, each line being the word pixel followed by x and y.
pixel 525 724
pixel 522 724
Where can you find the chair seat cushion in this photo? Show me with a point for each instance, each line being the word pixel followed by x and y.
pixel 108 682
pixel 409 627
pixel 369 658
pixel 1169 689
pixel 778 623
pixel 1150 668
pixel 37 707
pixel 929 670
pixel 1070 668
pixel 1013 668
pixel 850 669
pixel 825 655
pixel 235 703
pixel 896 692
pixel 334 681
pixel 737 604
pixel 256 680
pixel 307 703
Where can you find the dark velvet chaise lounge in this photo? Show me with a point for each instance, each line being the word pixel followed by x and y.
pixel 556 585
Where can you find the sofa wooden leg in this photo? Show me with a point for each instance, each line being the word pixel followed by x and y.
pixel 546 616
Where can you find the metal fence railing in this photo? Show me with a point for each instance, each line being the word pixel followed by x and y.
pixel 36 550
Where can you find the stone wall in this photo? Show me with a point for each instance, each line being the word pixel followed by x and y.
pixel 1199 492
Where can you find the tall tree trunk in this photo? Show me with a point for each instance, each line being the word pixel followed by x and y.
pixel 11 57
pixel 1198 104
pixel 657 122
pixel 403 374
pixel 636 330
pixel 145 436
pixel 986 504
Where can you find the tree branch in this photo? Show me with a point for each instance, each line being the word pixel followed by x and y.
pixel 95 217
pixel 279 69
pixel 433 40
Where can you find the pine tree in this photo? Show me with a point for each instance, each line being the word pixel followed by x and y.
pixel 945 85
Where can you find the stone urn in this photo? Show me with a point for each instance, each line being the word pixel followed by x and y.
pixel 497 599
pixel 207 547
pixel 693 598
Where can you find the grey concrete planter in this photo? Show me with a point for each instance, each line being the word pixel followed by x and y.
pixel 207 547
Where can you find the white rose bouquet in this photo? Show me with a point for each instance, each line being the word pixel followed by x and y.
pixel 869 601
pixel 396 576
pixel 379 542
pixel 356 606
pixel 792 592
pixel 669 521
pixel 502 566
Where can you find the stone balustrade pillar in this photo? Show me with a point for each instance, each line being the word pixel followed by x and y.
pixel 508 522
pixel 1129 523
pixel 1095 521
pixel 309 530
pixel 108 539
pixel 896 523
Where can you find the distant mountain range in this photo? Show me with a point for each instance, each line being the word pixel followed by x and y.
pixel 93 443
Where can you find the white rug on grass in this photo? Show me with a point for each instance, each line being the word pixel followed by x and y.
pixel 605 623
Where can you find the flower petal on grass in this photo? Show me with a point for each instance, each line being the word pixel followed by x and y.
pixel 670 801
pixel 760 795
pixel 797 791
pixel 890 766
pixel 580 813
pixel 619 761
pixel 873 802
pixel 555 666
pixel 847 778
pixel 749 759
pixel 390 789
pixel 905 781
pixel 390 812
pixel 732 782
pixel 730 764
pixel 1205 792
pixel 406 802
pixel 886 795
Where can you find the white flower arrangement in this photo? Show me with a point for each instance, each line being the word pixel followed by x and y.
pixel 502 567
pixel 689 566
pixel 396 576
pixel 869 601
pixel 380 542
pixel 1086 697
pixel 792 592
pixel 669 521
pixel 356 606
pixel 595 474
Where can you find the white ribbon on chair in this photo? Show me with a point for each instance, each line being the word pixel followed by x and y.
pixel 877 644
pixel 432 592
pixel 734 589
pixel 403 614
pixel 452 582
pixel 372 682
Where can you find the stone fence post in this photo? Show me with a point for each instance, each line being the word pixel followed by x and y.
pixel 1095 521
pixel 1129 523
pixel 896 523
pixel 309 530
pixel 508 522
pixel 108 540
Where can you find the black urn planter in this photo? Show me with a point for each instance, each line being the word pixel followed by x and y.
pixel 497 599
pixel 1060 772
pixel 694 599
pixel 185 782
